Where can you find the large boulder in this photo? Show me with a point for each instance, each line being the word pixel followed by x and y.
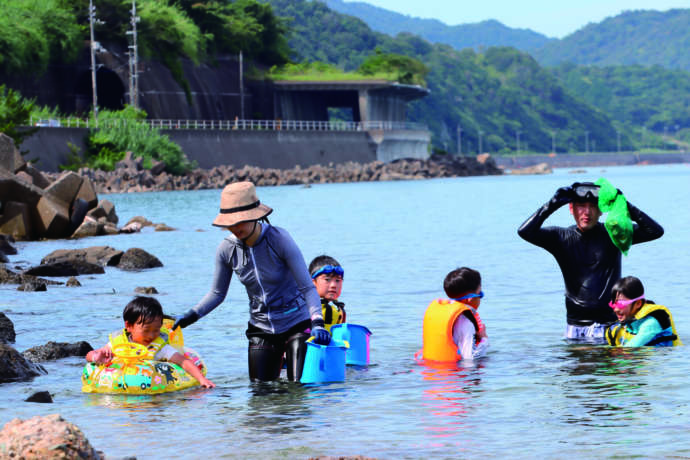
pixel 72 267
pixel 47 437
pixel 56 350
pixel 99 255
pixel 7 334
pixel 138 259
pixel 87 192
pixel 16 368
pixel 16 220
pixel 37 177
pixel 10 158
pixel 65 188
pixel 53 218
pixel 14 189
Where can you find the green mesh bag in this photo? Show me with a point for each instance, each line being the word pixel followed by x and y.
pixel 618 223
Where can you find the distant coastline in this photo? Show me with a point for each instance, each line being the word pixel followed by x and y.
pixel 569 160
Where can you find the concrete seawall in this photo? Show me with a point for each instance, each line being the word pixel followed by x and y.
pixel 265 149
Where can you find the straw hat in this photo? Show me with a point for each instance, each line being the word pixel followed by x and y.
pixel 239 203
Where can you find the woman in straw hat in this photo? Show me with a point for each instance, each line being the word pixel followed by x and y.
pixel 283 302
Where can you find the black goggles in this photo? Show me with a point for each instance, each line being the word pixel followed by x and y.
pixel 585 191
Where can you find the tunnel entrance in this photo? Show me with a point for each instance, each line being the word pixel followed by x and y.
pixel 110 91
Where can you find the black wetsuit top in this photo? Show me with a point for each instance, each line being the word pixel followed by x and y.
pixel 589 261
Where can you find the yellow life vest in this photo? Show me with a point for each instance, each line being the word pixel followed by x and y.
pixel 154 347
pixel 332 313
pixel 438 328
pixel 618 334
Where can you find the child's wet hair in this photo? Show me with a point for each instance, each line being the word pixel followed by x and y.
pixel 322 261
pixel 630 286
pixel 461 281
pixel 142 310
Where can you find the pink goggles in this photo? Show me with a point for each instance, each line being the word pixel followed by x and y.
pixel 620 304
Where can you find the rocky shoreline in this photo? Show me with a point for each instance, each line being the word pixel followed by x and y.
pixel 130 176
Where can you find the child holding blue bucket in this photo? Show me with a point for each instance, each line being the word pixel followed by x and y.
pixel 327 275
pixel 452 327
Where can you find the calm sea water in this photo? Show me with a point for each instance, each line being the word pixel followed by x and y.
pixel 534 395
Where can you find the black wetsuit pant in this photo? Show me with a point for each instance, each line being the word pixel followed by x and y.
pixel 266 352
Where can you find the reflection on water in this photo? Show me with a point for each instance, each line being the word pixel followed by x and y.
pixel 448 398
pixel 604 385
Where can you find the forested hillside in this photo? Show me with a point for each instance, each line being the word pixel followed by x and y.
pixel 634 37
pixel 655 98
pixel 478 35
pixel 500 98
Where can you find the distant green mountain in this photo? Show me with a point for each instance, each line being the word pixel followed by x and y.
pixel 478 35
pixel 655 98
pixel 499 98
pixel 634 37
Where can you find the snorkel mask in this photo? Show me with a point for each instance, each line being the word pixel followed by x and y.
pixel 585 192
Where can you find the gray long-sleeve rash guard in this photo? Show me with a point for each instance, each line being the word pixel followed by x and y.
pixel 280 290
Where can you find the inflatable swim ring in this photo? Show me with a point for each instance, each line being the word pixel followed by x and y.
pixel 127 373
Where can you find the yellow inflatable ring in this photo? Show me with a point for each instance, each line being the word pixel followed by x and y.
pixel 127 373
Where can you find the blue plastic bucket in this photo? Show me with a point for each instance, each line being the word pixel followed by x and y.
pixel 324 363
pixel 358 338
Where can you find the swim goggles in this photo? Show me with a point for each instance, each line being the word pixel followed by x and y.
pixel 327 270
pixel 620 304
pixel 585 191
pixel 471 296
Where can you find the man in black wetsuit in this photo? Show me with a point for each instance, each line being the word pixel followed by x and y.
pixel 588 259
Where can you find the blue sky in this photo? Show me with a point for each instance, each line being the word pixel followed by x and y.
pixel 554 18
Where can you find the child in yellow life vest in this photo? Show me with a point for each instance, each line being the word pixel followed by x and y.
pixel 640 321
pixel 327 275
pixel 143 325
pixel 452 327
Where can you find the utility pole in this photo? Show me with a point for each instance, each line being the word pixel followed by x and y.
pixel 480 143
pixel 241 88
pixel 92 18
pixel 618 140
pixel 459 139
pixel 133 59
pixel 553 141
pixel 587 141
pixel 517 141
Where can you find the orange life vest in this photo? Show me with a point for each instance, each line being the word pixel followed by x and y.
pixel 439 319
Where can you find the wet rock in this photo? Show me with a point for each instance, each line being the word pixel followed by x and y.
pixel 146 290
pixel 56 350
pixel 71 267
pixel 163 228
pixel 40 397
pixel 73 282
pixel 141 220
pixel 3 258
pixel 33 286
pixel 541 168
pixel 47 437
pixel 131 227
pixel 6 245
pixel 16 368
pixel 88 227
pixel 7 334
pixel 342 457
pixel 138 259
pixel 98 255
pixel 9 277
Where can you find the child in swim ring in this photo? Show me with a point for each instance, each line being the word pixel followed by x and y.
pixel 327 275
pixel 143 321
pixel 452 327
